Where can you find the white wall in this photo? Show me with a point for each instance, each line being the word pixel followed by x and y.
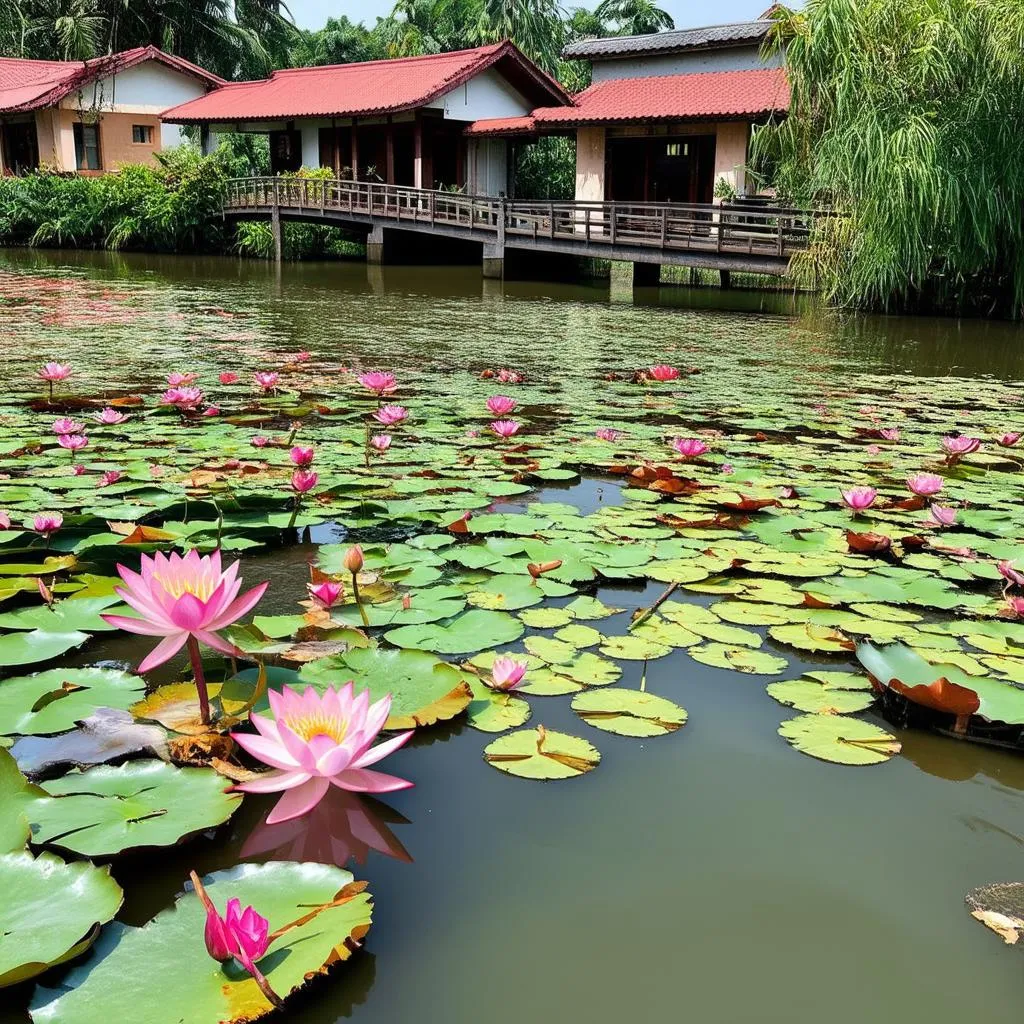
pixel 739 58
pixel 310 131
pixel 148 88
pixel 486 95
pixel 488 167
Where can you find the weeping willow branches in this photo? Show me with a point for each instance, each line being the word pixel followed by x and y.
pixel 907 119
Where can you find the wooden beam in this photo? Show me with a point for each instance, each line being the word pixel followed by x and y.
pixel 355 149
pixel 389 139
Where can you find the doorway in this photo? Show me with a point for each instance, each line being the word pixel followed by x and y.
pixel 20 146
pixel 661 169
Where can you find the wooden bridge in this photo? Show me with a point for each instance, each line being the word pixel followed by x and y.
pixel 753 237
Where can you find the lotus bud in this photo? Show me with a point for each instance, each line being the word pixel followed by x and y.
pixel 353 560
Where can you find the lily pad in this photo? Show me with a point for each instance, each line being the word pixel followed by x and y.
pixel 17 795
pixel 542 754
pixel 37 645
pixel 629 712
pixel 493 711
pixel 813 697
pixel 120 972
pixel 839 739
pixel 740 659
pixel 474 630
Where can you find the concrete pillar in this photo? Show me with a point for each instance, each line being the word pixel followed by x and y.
pixel 375 245
pixel 646 275
pixel 278 232
pixel 726 281
pixel 494 261
pixel 731 139
pixel 590 144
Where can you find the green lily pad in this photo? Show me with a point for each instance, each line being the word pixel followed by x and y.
pixel 28 648
pixel 579 636
pixel 839 739
pixel 108 810
pixel 584 607
pixel 545 618
pixel 54 701
pixel 51 911
pixel 17 795
pixel 65 616
pixel 740 659
pixel 542 754
pixel 629 712
pixel 474 630
pixel 493 711
pixel 120 971
pixel 816 699
pixel 634 647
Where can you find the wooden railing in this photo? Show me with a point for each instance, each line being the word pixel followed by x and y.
pixel 755 228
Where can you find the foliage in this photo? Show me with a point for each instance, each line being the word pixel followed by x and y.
pixel 904 121
pixel 545 169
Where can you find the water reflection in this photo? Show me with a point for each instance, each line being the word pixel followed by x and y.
pixel 960 761
pixel 341 827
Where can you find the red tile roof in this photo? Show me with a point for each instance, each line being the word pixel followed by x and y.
pixel 32 84
pixel 705 95
pixel 369 87
pixel 503 126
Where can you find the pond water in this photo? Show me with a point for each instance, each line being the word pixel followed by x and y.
pixel 715 873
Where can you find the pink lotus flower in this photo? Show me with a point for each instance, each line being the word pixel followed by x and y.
pixel 185 600
pixel 259 441
pixel 227 377
pixel 1010 574
pixel 301 456
pixel 506 674
pixel 353 559
pixel 1015 606
pixel 54 372
pixel 302 357
pixel 211 410
pixel 726 468
pixel 889 434
pixel 505 428
pixel 389 415
pixel 382 442
pixel 501 405
pixel 108 417
pixel 317 741
pixel 73 442
pixel 110 477
pixel 873 449
pixel 925 484
pixel 47 523
pixel 265 380
pixel 239 934
pixel 5 521
pixel 66 425
pixel 663 373
pixel 939 515
pixel 1009 439
pixel 510 377
pixel 607 434
pixel 379 382
pixel 957 447
pixel 185 398
pixel 326 594
pixel 177 380
pixel 303 480
pixel 690 447
pixel 78 470
pixel 859 498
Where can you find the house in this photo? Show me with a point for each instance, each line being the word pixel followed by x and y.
pixel 92 116
pixel 399 121
pixel 668 116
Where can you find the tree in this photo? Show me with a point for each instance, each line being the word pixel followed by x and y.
pixel 340 41
pixel 535 26
pixel 905 121
pixel 634 17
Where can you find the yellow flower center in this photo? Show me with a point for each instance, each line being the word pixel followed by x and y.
pixel 201 588
pixel 308 727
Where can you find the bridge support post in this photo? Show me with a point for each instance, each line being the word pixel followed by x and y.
pixel 726 281
pixel 494 261
pixel 646 275
pixel 375 245
pixel 276 231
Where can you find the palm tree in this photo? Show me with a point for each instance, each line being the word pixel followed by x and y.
pixel 634 17
pixel 535 26
pixel 409 30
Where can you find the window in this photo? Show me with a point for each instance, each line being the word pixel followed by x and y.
pixel 677 149
pixel 142 133
pixel 87 147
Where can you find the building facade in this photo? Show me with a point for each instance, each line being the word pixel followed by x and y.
pixel 92 116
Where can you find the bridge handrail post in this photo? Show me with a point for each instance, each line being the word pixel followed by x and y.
pixel 502 213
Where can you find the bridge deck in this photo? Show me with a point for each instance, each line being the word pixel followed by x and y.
pixel 739 236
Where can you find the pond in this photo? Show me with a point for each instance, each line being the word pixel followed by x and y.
pixel 714 871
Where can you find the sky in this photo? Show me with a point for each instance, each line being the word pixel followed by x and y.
pixel 313 13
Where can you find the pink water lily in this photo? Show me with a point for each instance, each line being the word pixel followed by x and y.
pixel 859 498
pixel 505 428
pixel 109 417
pixel 266 381
pixel 607 434
pixel 5 521
pixel 727 468
pixel 1009 439
pixel 66 425
pixel 73 442
pixel 111 476
pixel 889 434
pixel 78 470
pixel 389 415
pixel 186 600
pixel 1012 575
pixel 184 398
pixel 1015 606
pixel 663 373
pixel 315 741
pixel 506 674
pixel 227 377
pixel 501 405
pixel 381 442
pixel 939 515
pixel 302 456
pixel 925 484
pixel 957 447
pixel 326 594
pixel 47 523
pixel 177 380
pixel 510 376
pixel 379 382
pixel 53 372
pixel 211 410
pixel 690 447
pixel 259 441
pixel 303 480
pixel 301 357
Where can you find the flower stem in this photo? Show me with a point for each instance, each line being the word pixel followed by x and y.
pixel 295 513
pixel 264 985
pixel 359 604
pixel 200 679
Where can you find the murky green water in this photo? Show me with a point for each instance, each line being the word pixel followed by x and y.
pixel 716 876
